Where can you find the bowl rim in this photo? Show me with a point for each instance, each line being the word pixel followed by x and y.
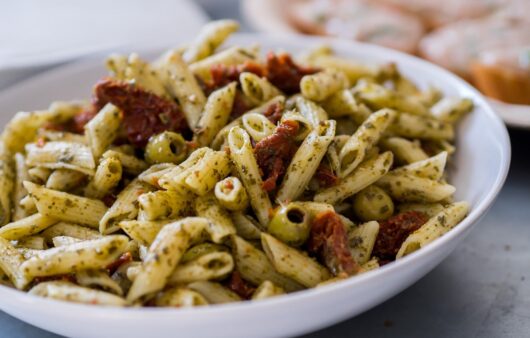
pixel 314 293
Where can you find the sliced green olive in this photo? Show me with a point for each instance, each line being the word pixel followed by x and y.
pixel 166 147
pixel 290 224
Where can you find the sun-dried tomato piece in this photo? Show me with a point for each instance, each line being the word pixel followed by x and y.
pixel 328 240
pixel 221 74
pixel 274 152
pixel 144 114
pixel 284 73
pixel 239 286
pixel 394 231
pixel 76 124
pixel 109 199
pixel 240 106
pixel 325 176
pixel 274 112
pixel 81 119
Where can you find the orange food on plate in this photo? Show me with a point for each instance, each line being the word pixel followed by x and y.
pixel 486 42
pixel 491 53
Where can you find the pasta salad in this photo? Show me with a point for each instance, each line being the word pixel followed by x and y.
pixel 214 175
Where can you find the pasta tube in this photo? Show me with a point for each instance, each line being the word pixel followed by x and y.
pixel 435 227
pixel 231 194
pixel 368 134
pixel 183 86
pixel 28 226
pixel 255 267
pixel 164 254
pixel 243 158
pixel 210 266
pixel 180 297
pixel 216 114
pixel 92 254
pixel 320 86
pixel 61 290
pixel 66 207
pixel 306 161
pixel 367 173
pixel 221 225
pixel 210 37
pixel 103 129
pixel 293 263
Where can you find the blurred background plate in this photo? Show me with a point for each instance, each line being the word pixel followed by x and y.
pixel 268 16
pixel 36 34
pixel 514 115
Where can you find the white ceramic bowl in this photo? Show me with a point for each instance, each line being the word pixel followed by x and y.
pixel 480 167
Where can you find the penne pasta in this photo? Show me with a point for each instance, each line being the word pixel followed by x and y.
pixel 257 89
pixel 125 207
pixel 10 264
pixel 367 173
pixel 216 114
pixel 66 207
pixel 210 266
pixel 91 254
pixel 257 126
pixel 267 290
pixel 7 185
pixel 431 168
pixel 164 254
pixel 363 236
pixel 287 261
pixel 129 163
pixel 366 136
pixel 451 109
pixel 64 179
pixel 69 230
pixel 255 267
pixel 321 85
pixel 108 175
pixel 142 74
pixel 28 226
pixel 180 297
pixel 231 194
pixel 61 155
pixel 421 127
pixel 221 225
pixel 248 171
pixel 306 161
pixel 61 290
pixel 181 83
pixel 406 187
pixel 144 232
pixel 101 131
pixel 19 192
pixel 435 227
pixel 404 151
pixel 211 36
pixel 214 293
pixel 229 57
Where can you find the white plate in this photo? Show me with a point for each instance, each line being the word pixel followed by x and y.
pixel 481 164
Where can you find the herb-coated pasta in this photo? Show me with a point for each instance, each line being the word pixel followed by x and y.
pixel 215 175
